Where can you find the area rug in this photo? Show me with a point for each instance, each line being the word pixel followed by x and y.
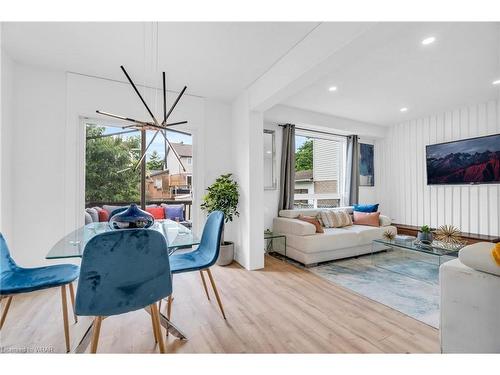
pixel 403 281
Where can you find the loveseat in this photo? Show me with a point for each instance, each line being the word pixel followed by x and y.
pixel 309 248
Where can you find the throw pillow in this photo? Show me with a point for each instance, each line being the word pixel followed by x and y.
pixel 174 212
pixel 312 220
pixel 367 218
pixel 157 212
pixel 478 256
pixel 335 218
pixel 88 218
pixel 366 207
pixel 103 216
pixel 94 214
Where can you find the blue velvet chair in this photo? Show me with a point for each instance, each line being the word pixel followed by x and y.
pixel 122 271
pixel 202 258
pixel 17 280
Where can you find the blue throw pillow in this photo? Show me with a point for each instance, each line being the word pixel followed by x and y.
pixel 174 212
pixel 366 207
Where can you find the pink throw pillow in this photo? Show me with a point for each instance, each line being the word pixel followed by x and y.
pixel 367 218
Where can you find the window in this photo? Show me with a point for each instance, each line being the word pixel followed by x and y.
pixel 111 155
pixel 319 163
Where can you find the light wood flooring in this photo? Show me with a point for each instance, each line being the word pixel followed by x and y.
pixel 280 309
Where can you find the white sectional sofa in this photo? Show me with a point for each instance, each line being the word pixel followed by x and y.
pixel 308 247
pixel 470 306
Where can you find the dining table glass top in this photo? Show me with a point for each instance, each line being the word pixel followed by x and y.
pixel 73 244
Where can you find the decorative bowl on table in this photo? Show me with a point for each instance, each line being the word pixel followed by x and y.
pixel 132 217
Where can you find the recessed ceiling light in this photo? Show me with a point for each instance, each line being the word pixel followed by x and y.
pixel 497 82
pixel 404 109
pixel 332 88
pixel 428 40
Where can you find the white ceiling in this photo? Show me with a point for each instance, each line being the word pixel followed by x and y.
pixel 213 59
pixel 374 84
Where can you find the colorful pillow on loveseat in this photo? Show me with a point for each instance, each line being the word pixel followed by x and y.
pixel 366 207
pixel 174 211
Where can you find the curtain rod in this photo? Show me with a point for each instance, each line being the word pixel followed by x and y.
pixel 317 131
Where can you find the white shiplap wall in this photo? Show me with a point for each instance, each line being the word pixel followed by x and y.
pixel 400 166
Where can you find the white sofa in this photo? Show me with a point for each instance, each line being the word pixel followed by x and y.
pixel 470 308
pixel 308 247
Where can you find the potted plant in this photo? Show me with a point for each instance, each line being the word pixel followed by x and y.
pixel 425 234
pixel 223 196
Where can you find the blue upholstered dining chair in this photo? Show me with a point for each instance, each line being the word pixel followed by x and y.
pixel 17 280
pixel 202 258
pixel 122 271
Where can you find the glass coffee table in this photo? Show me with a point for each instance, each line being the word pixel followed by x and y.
pixel 411 259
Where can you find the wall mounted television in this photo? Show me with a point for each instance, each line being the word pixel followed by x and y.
pixel 463 162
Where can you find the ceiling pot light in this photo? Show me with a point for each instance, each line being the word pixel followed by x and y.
pixel 332 88
pixel 404 109
pixel 428 40
pixel 496 82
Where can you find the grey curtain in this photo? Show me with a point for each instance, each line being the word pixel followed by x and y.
pixel 352 171
pixel 287 172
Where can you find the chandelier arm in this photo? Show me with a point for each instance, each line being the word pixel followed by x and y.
pixel 139 94
pixel 176 123
pixel 145 151
pixel 164 100
pixel 173 150
pixel 175 103
pixel 123 118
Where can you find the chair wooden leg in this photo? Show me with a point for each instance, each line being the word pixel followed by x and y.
pixel 96 330
pixel 5 311
pixel 65 316
pixel 156 326
pixel 215 291
pixel 72 297
pixel 153 323
pixel 204 285
pixel 169 306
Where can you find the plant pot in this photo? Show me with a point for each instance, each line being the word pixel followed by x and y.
pixel 425 237
pixel 226 254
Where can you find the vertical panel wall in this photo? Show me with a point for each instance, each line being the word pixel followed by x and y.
pixel 400 162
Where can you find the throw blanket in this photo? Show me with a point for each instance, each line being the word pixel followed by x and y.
pixel 495 253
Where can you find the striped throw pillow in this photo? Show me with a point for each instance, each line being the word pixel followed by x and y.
pixel 335 218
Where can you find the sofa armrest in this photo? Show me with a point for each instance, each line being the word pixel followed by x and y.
pixel 293 226
pixel 385 221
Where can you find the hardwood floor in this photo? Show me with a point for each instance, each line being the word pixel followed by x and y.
pixel 280 309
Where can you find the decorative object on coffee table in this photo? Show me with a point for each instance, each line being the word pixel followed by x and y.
pixel 449 235
pixel 425 235
pixel 223 195
pixel 388 235
pixel 132 217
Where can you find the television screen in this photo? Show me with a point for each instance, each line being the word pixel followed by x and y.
pixel 468 161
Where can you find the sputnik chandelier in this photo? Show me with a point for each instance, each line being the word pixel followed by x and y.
pixel 154 125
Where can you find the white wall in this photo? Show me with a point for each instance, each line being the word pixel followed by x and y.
pixel 401 175
pixel 247 153
pixel 44 148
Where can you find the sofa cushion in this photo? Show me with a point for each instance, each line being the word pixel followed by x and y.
pixel 174 211
pixel 157 212
pixel 367 218
pixel 293 226
pixel 335 218
pixel 366 207
pixel 103 216
pixel 94 214
pixel 384 220
pixel 312 220
pixel 478 256
pixel 88 218
pixel 292 214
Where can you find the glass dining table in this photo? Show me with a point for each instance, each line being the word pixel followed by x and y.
pixel 73 246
